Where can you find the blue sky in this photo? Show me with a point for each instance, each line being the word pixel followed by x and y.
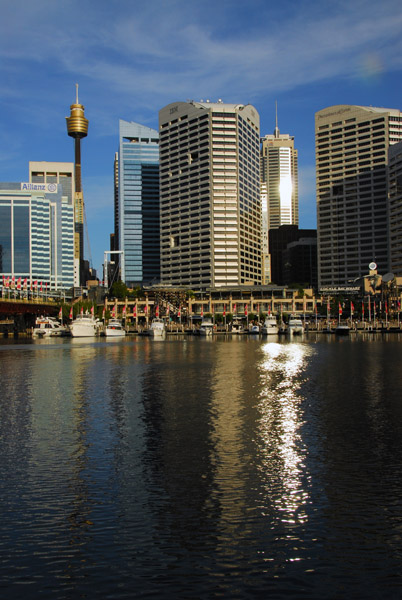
pixel 132 58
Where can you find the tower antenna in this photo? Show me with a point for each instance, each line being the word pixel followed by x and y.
pixel 276 132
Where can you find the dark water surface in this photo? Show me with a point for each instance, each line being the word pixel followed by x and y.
pixel 196 468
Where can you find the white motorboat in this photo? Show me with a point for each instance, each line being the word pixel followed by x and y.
pixel 270 326
pixel 254 329
pixel 237 327
pixel 157 329
pixel 206 327
pixel 85 325
pixel 295 326
pixel 115 328
pixel 49 327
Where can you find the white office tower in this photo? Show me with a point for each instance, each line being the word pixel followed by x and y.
pixel 209 195
pixel 352 193
pixel 279 173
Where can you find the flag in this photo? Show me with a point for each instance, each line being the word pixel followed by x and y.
pixel 362 307
pixel 339 308
pixel 234 309
pixel 245 310
pixel 202 310
pixel 82 310
pixel 124 312
pixel 167 310
pixel 103 313
pixel 113 313
pixel 269 310
pixel 71 313
pixel 19 283
pixel 134 311
pixel 351 307
pixel 60 312
pixel 179 312
pixel 145 309
pixel 399 305
pixel 386 307
pixel 25 284
pixel 224 310
pixel 13 282
pixel 35 283
pixel 92 310
pixel 157 310
pixel 41 288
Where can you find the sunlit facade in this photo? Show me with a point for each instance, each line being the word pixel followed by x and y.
pixel 279 173
pixel 37 234
pixel 210 197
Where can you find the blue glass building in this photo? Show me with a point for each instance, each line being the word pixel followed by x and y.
pixel 37 234
pixel 137 216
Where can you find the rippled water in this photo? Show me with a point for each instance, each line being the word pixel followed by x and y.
pixel 197 468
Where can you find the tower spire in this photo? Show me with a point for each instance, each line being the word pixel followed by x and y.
pixel 276 130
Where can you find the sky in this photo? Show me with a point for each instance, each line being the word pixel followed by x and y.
pixel 132 58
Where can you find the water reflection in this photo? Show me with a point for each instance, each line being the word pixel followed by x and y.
pixel 281 446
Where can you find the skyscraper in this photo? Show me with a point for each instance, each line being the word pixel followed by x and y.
pixel 137 214
pixel 210 201
pixel 279 175
pixel 77 128
pixel 395 208
pixel 37 234
pixel 352 196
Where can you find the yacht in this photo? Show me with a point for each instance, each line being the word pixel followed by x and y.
pixel 254 329
pixel 85 325
pixel 48 327
pixel 295 326
pixel 157 329
pixel 270 326
pixel 115 328
pixel 206 327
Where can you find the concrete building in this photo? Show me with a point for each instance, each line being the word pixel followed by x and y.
pixel 210 196
pixel 352 193
pixel 137 213
pixel 395 208
pixel 37 234
pixel 279 174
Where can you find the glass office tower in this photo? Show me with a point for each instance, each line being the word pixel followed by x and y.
pixel 138 203
pixel 37 234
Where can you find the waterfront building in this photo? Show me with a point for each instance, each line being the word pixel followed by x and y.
pixel 136 169
pixel 299 262
pixel 77 128
pixel 395 208
pixel 352 194
pixel 37 234
pixel 210 196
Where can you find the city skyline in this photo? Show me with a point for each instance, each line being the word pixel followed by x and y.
pixel 129 65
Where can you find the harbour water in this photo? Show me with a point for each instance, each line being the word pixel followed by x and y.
pixel 201 468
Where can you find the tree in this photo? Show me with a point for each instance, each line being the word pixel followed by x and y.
pixel 118 290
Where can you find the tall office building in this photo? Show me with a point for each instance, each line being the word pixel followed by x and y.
pixel 137 214
pixel 395 208
pixel 279 175
pixel 210 199
pixel 352 193
pixel 37 234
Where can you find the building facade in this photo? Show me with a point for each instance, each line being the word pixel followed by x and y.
pixel 395 208
pixel 210 197
pixel 279 175
pixel 352 193
pixel 37 234
pixel 137 213
pixel 279 241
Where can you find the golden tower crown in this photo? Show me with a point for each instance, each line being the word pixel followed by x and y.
pixel 77 124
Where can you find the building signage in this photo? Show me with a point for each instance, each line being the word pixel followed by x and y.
pixel 340 289
pixel 47 188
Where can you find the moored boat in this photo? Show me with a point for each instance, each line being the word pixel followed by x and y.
pixel 342 329
pixel 295 326
pixel 157 329
pixel 270 326
pixel 49 327
pixel 254 329
pixel 115 328
pixel 85 325
pixel 206 327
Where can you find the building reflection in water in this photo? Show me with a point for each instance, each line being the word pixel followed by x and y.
pixel 281 447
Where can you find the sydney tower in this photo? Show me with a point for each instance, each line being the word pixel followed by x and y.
pixel 77 127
